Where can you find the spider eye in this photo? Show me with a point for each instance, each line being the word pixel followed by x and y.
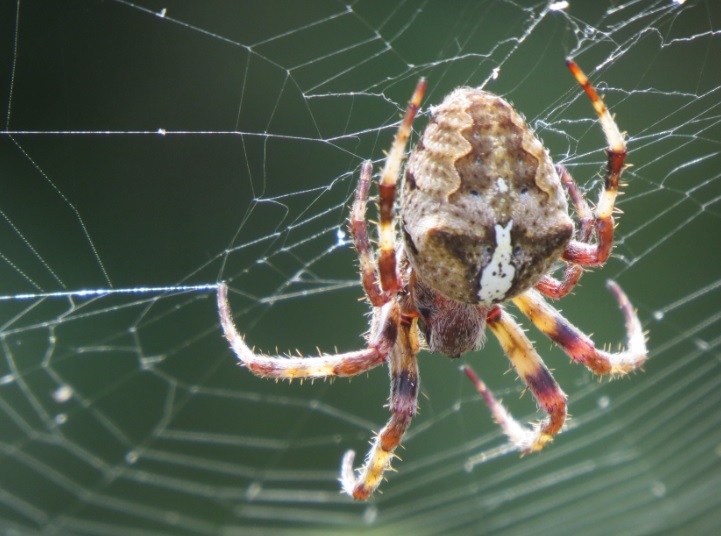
pixel 475 193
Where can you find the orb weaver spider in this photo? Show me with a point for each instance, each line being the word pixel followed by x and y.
pixel 484 219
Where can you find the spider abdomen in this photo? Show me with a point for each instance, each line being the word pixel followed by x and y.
pixel 484 211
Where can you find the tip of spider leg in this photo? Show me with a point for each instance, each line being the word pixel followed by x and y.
pixel 347 473
pixel 468 371
pixel 348 458
pixel 576 70
pixel 615 288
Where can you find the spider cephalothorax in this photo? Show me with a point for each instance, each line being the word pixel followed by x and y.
pixel 484 219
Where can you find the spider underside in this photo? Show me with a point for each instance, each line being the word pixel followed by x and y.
pixel 484 218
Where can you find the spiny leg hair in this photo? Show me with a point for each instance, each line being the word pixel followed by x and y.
pixel 581 252
pixel 538 378
pixel 403 402
pixel 384 329
pixel 534 373
pixel 390 283
pixel 384 334
pixel 359 231
pixel 579 346
pixel 402 358
pixel 549 286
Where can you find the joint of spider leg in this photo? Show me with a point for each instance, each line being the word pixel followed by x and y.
pixel 494 314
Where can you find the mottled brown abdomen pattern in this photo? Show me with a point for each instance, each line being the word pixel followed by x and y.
pixel 484 211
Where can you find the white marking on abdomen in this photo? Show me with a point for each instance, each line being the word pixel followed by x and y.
pixel 497 277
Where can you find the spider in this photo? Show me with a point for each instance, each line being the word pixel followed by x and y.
pixel 484 220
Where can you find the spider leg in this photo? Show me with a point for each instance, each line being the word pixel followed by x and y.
pixel 389 280
pixel 359 231
pixel 583 211
pixel 403 402
pixel 536 376
pixel 549 286
pixel 579 346
pixel 387 193
pixel 384 329
pixel 554 288
pixel 579 251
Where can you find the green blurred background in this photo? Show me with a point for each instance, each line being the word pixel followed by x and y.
pixel 222 140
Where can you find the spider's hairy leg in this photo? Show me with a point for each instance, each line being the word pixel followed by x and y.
pixel 583 211
pixel 578 251
pixel 536 376
pixel 579 346
pixel 384 329
pixel 554 288
pixel 387 194
pixel 403 403
pixel 549 286
pixel 359 231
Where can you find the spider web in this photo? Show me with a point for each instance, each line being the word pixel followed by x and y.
pixel 151 149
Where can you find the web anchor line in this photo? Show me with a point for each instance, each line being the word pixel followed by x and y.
pixel 94 292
